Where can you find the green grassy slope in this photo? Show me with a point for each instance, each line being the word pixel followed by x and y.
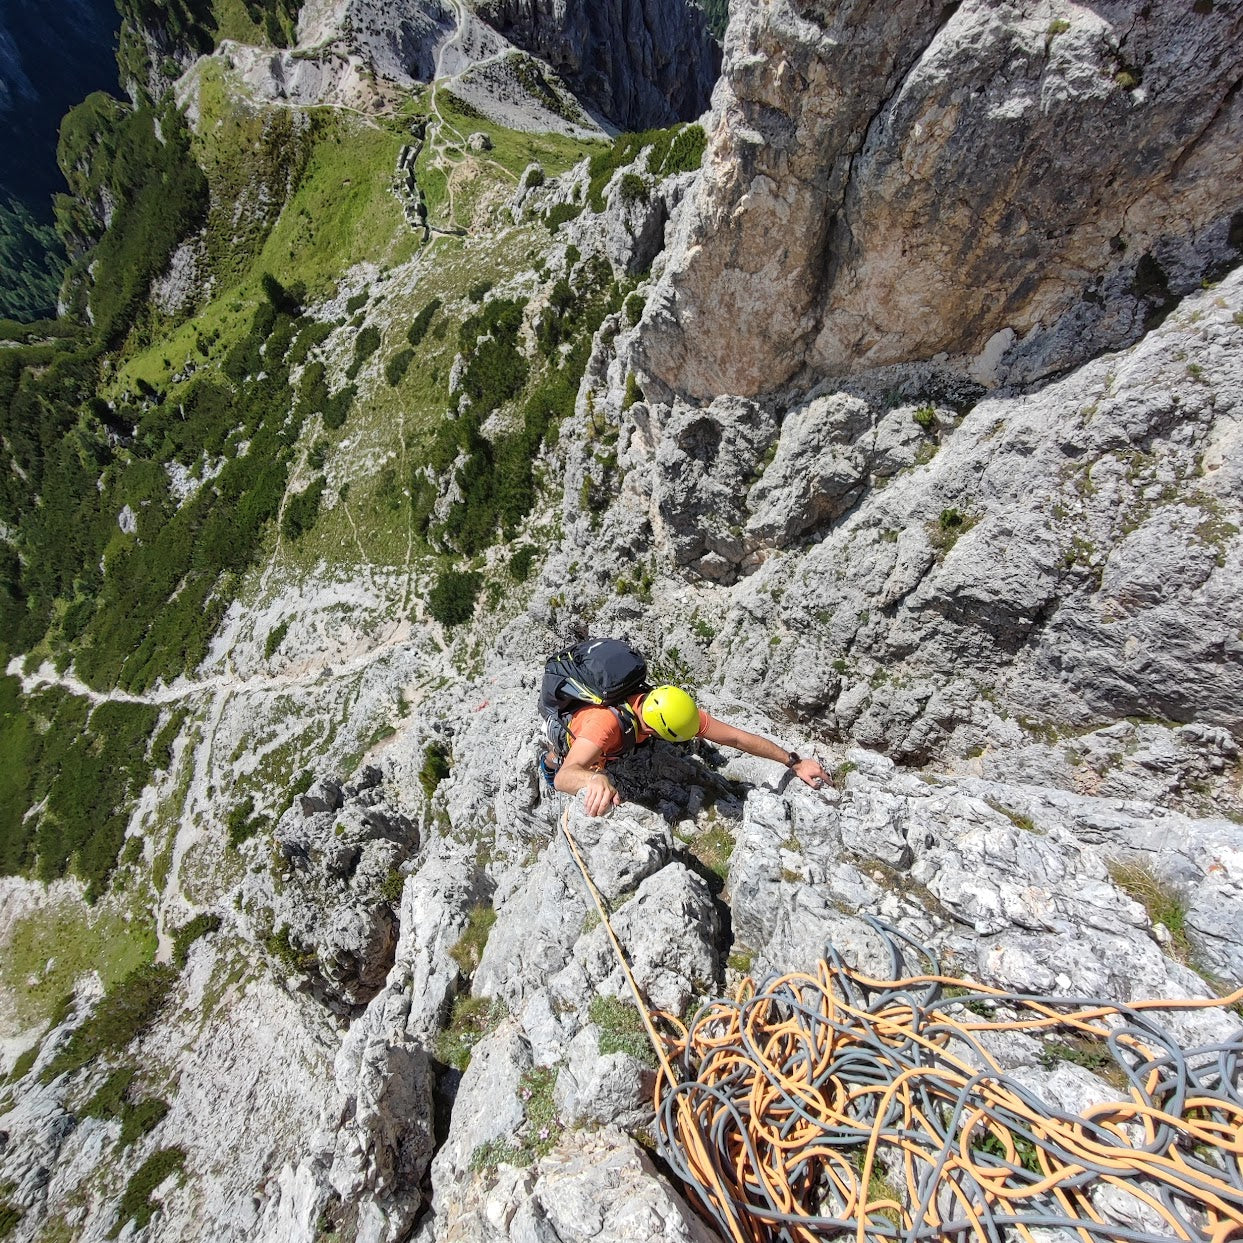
pixel 298 418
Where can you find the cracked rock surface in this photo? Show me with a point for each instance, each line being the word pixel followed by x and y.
pixel 1007 188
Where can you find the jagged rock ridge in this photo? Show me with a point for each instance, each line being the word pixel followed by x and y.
pixel 633 65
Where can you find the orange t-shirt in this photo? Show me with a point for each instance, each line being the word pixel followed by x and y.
pixel 600 726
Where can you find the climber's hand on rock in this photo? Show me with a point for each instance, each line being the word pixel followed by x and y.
pixel 601 795
pixel 812 772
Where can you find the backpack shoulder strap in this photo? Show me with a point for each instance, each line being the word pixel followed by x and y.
pixel 628 722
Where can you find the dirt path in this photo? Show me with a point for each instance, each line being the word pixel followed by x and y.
pixel 186 688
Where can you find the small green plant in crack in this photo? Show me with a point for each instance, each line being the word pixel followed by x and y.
pixel 926 417
pixel 540 1130
pixel 1024 1153
pixel 842 771
pixel 471 1019
pixel 704 630
pixel 958 996
pixel 1016 818
pixel 1213 529
pixel 281 946
pixel 435 768
pixel 740 959
pixel 391 887
pixel 633 393
pixel 713 846
pixel 592 919
pixel 493 1153
pixel 882 1192
pixel 468 952
pixel 949 527
pixel 621 1029
pixel 1080 552
pixel 897 881
pixel 1090 1054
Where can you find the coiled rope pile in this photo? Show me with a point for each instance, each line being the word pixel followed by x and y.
pixel 794 1111
pixel 813 1095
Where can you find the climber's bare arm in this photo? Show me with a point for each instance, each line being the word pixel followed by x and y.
pixel 578 772
pixel 809 770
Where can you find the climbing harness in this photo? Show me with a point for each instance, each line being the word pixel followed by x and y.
pixel 831 1103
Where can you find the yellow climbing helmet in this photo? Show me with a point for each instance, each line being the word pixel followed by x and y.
pixel 671 712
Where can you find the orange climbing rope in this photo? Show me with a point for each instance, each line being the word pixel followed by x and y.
pixel 835 1103
pixel 831 1104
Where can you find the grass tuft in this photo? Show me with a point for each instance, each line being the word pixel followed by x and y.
pixel 1160 900
pixel 472 1018
pixel 621 1029
pixel 468 952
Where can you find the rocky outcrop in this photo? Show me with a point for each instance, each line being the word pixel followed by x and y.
pixel 926 571
pixel 600 1187
pixel 325 907
pixel 397 42
pixel 630 229
pixel 1013 189
pixel 637 63
pixel 992 878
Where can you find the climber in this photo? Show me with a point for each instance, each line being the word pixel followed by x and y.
pixel 597 706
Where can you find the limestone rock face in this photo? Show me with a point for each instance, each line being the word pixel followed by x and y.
pixel 598 1187
pixel 921 579
pixel 639 63
pixel 1015 189
pixel 989 886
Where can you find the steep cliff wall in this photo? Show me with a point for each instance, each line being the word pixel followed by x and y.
pixel 1013 186
pixel 639 63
